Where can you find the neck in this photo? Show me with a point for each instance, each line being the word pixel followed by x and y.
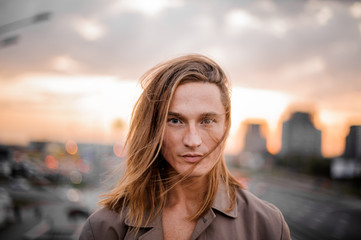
pixel 189 192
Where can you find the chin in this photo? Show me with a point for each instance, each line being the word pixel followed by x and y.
pixel 197 172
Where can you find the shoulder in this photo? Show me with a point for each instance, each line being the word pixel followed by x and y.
pixel 104 215
pixel 104 224
pixel 265 216
pixel 249 202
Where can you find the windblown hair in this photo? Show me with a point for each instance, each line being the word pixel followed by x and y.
pixel 143 188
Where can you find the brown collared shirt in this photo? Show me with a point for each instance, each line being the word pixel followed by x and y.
pixel 250 219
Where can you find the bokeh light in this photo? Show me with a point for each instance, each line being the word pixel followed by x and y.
pixel 82 166
pixel 73 195
pixel 51 162
pixel 71 147
pixel 76 177
pixel 118 149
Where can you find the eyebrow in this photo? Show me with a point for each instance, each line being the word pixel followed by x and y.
pixel 206 114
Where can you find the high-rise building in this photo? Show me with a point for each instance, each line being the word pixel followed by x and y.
pixel 300 137
pixel 254 141
pixel 353 143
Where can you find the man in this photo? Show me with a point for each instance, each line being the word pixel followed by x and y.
pixel 176 184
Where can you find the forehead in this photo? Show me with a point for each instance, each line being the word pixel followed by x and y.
pixel 197 97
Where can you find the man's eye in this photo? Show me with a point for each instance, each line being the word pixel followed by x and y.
pixel 207 121
pixel 173 121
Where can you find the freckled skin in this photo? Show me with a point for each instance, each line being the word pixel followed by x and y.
pixel 196 122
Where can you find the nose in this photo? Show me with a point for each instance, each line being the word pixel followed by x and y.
pixel 191 138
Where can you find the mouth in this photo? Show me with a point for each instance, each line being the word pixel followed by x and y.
pixel 192 158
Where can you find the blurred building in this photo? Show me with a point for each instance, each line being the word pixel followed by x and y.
pixel 254 141
pixel 254 154
pixel 348 166
pixel 353 143
pixel 300 137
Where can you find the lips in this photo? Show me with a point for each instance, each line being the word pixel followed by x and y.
pixel 192 157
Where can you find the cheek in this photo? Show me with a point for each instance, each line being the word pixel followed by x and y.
pixel 171 138
pixel 215 135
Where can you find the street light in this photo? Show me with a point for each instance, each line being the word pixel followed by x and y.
pixel 9 41
pixel 40 17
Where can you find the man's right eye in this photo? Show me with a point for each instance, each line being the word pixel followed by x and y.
pixel 174 121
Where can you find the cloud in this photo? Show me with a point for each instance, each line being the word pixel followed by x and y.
pixel 146 7
pixel 90 29
pixel 355 10
pixel 307 68
pixel 266 6
pixel 324 15
pixel 255 41
pixel 278 27
pixel 239 19
pixel 65 64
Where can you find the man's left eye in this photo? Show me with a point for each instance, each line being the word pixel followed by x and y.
pixel 207 121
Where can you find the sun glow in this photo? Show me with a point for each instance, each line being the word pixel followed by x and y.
pixel 256 104
pixel 79 107
pixel 85 108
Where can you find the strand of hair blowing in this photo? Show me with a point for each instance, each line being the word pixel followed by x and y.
pixel 141 188
pixel 141 183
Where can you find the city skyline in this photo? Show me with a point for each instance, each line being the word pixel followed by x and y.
pixel 115 132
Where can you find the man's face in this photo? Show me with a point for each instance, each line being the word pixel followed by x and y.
pixel 195 124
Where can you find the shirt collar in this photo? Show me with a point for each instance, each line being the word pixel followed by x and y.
pixel 222 202
pixel 152 223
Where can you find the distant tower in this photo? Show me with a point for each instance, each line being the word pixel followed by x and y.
pixel 300 137
pixel 353 143
pixel 254 141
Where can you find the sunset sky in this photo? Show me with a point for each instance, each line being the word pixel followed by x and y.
pixel 75 75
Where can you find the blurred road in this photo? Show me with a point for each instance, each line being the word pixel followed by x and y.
pixel 311 212
pixel 44 214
